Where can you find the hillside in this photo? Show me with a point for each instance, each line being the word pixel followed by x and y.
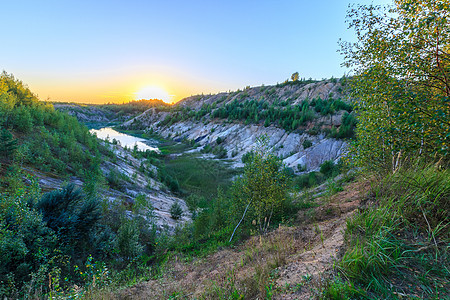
pixel 101 114
pixel 66 194
pixel 181 223
pixel 306 122
pixel 288 263
pixel 332 189
pixel 46 142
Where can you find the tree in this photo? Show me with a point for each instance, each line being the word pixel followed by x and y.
pixel 72 216
pixel 401 86
pixel 294 77
pixel 7 143
pixel 262 187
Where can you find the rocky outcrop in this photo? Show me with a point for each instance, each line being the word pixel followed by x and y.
pixel 86 113
pixel 238 139
pixel 299 149
pixel 139 183
pixel 293 93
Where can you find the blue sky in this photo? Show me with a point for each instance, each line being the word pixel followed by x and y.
pixel 100 51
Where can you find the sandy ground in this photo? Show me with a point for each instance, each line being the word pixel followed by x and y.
pixel 299 256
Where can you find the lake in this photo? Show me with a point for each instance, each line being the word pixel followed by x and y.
pixel 124 139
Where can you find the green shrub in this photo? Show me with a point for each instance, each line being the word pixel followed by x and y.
pixel 127 240
pixel 306 144
pixel 72 217
pixel 7 144
pixel 262 187
pixel 115 181
pixel 328 168
pixel 308 180
pixel 247 157
pixel 176 212
pixel 26 243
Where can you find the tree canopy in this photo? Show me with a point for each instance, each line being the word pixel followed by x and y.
pixel 401 86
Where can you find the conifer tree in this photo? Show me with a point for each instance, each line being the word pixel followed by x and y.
pixel 7 143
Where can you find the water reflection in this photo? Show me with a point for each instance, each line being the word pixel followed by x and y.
pixel 124 139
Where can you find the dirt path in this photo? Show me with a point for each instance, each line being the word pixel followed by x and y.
pixel 295 256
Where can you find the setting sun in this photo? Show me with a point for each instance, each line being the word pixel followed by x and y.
pixel 153 92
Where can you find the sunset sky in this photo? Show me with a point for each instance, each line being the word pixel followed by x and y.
pixel 114 51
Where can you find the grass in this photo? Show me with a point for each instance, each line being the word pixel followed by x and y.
pixel 398 245
pixel 199 176
pixel 261 258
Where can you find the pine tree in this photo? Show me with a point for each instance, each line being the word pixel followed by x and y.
pixel 7 144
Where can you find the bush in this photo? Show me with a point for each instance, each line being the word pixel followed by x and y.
pixel 127 240
pixel 26 243
pixel 328 168
pixel 7 143
pixel 308 180
pixel 262 187
pixel 306 144
pixel 220 152
pixel 72 217
pixel 176 212
pixel 247 157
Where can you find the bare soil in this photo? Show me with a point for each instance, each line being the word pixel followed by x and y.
pixel 288 262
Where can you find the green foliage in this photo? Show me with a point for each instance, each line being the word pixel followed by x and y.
pixel 7 144
pixel 348 124
pixel 402 83
pixel 263 186
pixel 115 180
pixel 127 240
pixel 308 180
pixel 329 169
pixel 169 181
pixel 247 157
pixel 26 244
pixel 57 141
pixel 176 212
pixel 252 111
pixel 329 106
pixel 338 289
pixel 306 144
pixel 73 217
pixel 402 237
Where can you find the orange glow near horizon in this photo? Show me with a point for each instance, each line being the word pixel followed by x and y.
pixel 119 92
pixel 153 92
pixel 115 88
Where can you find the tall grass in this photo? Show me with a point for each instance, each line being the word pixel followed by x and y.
pixel 398 244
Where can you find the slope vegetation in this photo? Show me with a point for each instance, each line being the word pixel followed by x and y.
pixel 306 122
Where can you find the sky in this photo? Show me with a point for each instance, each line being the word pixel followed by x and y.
pixel 117 51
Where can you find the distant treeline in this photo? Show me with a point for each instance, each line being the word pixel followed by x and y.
pixel 133 107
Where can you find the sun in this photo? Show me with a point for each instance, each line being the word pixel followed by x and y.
pixel 153 92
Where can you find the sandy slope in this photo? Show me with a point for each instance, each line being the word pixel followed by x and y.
pixel 301 253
